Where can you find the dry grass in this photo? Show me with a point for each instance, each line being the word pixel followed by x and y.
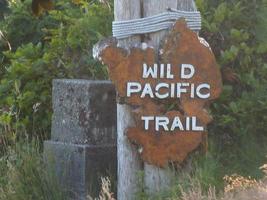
pixel 196 193
pixel 105 193
pixel 258 192
pixel 237 188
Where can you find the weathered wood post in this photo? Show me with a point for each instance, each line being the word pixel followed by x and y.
pixel 129 162
pixel 166 84
pixel 157 179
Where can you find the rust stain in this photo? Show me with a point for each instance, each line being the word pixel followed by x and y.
pixel 163 147
pixel 181 46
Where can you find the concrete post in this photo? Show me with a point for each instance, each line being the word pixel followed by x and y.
pixel 83 141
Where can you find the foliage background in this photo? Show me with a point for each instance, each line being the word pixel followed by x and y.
pixel 236 30
pixel 35 50
pixel 54 45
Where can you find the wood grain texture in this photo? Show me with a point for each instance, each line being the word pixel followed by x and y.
pixel 126 10
pixel 129 162
pixel 152 7
pixel 187 5
pixel 156 179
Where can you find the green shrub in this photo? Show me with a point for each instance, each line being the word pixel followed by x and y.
pixel 235 30
pixel 56 45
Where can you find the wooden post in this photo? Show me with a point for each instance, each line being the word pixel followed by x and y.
pixel 129 164
pixel 128 159
pixel 157 179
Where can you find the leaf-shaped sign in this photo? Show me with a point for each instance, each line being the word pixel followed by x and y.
pixel 184 74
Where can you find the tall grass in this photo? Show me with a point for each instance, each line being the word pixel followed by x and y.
pixel 236 187
pixel 24 175
pixel 205 175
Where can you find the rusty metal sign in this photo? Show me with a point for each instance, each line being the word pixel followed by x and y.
pixel 169 93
